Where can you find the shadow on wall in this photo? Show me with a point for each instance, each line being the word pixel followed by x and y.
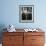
pixel 2 26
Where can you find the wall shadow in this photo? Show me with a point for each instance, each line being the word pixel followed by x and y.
pixel 2 29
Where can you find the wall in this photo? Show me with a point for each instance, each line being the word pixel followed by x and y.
pixel 9 13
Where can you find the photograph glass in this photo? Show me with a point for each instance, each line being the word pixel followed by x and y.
pixel 26 13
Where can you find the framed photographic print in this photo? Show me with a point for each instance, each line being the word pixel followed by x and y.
pixel 26 13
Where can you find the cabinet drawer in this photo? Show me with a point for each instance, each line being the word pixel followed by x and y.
pixel 14 44
pixel 37 39
pixel 37 44
pixel 27 41
pixel 8 45
pixel 34 33
pixel 13 33
pixel 12 39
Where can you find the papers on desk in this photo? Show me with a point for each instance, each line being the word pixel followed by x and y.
pixel 26 30
pixel 11 28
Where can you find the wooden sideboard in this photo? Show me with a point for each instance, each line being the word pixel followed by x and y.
pixel 23 38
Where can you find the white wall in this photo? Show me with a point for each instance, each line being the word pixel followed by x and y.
pixel 10 13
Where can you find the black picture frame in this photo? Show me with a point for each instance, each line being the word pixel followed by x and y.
pixel 26 13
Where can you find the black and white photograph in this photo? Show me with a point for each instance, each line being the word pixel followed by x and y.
pixel 26 13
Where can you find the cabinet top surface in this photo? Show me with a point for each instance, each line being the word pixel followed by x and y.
pixel 22 30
